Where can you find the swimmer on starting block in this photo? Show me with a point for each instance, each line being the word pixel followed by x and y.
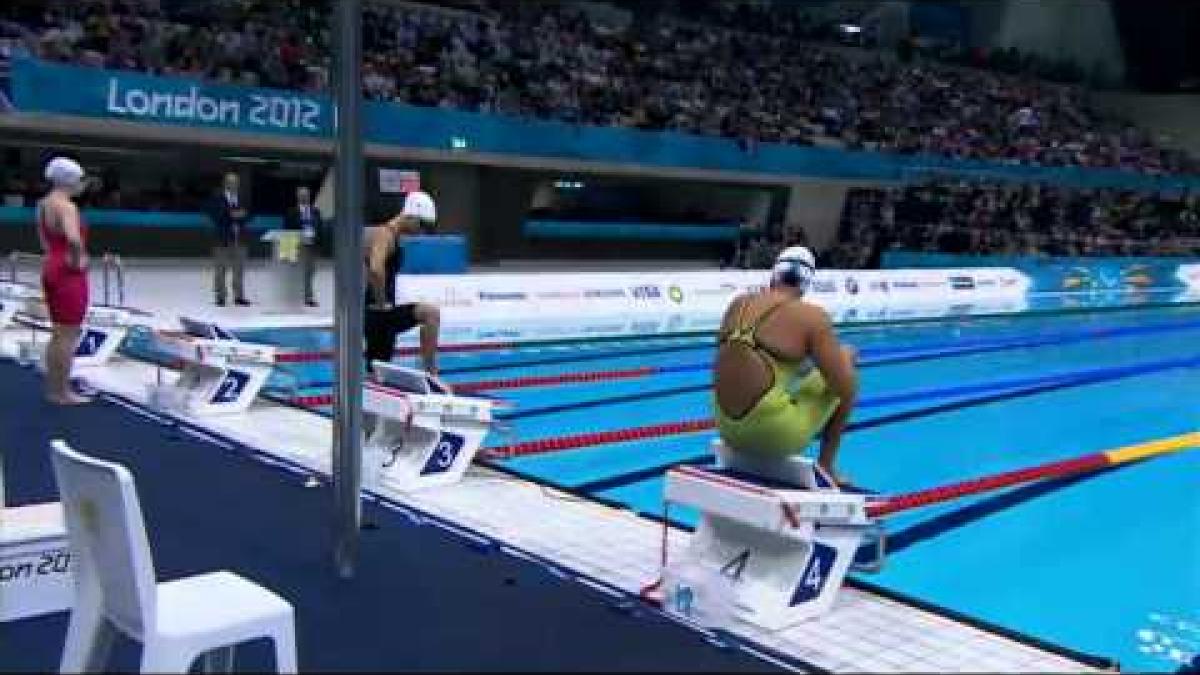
pixel 781 375
pixel 385 320
pixel 64 274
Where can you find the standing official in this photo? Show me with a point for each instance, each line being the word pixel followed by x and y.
pixel 230 216
pixel 306 218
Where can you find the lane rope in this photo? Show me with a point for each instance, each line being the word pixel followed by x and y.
pixel 869 357
pixel 879 358
pixel 301 356
pixel 1076 465
pixel 1092 376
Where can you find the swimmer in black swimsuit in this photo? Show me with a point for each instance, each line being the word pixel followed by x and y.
pixel 385 320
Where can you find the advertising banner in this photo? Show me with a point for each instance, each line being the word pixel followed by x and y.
pixel 558 295
pixel 462 329
pixel 39 86
pixel 1072 274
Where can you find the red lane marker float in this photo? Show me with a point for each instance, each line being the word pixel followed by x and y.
pixel 1067 467
pixel 310 357
pixel 313 401
pixel 561 378
pixel 945 493
pixel 544 445
pixel 512 383
pixel 318 400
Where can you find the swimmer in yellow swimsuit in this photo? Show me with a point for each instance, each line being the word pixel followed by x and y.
pixel 781 375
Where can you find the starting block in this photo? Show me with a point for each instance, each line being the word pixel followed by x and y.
pixel 424 435
pixel 14 299
pixel 104 328
pixel 220 374
pixel 773 546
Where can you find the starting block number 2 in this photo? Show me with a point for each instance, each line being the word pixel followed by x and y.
pixel 231 387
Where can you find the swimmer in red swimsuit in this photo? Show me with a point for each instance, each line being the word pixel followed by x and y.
pixel 64 274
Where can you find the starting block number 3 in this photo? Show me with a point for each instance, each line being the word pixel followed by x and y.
pixel 444 454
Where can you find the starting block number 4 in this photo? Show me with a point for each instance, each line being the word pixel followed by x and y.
pixel 812 580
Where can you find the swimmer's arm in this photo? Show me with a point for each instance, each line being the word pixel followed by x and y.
pixel 69 222
pixel 377 267
pixel 841 378
pixel 407 225
pixel 735 307
pixel 827 354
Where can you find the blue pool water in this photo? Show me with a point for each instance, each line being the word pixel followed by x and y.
pixel 1108 563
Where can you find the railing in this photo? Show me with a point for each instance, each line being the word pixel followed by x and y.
pixel 112 274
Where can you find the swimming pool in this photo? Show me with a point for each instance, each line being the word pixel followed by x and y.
pixel 1108 563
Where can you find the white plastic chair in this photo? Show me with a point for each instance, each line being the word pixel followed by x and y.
pixel 116 590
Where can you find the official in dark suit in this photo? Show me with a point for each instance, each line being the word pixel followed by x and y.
pixel 230 216
pixel 306 218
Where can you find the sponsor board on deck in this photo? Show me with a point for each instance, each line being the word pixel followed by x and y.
pixel 604 293
pixel 647 292
pixel 499 296
pixel 1189 275
pixel 503 296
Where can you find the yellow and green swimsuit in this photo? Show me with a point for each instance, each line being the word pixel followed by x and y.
pixel 790 413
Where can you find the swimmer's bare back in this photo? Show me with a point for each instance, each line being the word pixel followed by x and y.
pixel 795 330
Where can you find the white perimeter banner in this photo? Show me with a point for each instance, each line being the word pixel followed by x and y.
pixel 523 297
pixel 542 328
pixel 1190 276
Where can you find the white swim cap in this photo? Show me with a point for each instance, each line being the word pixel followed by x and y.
pixel 795 267
pixel 63 172
pixel 419 205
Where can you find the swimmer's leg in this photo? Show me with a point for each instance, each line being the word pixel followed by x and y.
pixel 380 337
pixel 831 435
pixel 60 352
pixel 429 317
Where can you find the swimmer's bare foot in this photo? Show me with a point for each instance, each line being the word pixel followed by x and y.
pixel 69 399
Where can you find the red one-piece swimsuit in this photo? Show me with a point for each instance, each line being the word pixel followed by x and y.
pixel 64 287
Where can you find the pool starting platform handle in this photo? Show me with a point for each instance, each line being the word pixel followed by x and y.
pixel 104 328
pixel 15 298
pixel 35 562
pixel 219 375
pixel 424 436
pixel 773 546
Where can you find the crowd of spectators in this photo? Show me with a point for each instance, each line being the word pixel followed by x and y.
pixel 979 217
pixel 714 67
pixel 108 192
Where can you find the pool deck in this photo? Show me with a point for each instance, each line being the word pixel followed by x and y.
pixel 613 551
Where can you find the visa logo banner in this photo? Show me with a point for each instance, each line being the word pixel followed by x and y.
pixel 647 292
